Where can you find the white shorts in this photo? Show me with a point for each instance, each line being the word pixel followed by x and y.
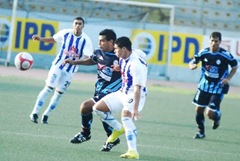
pixel 59 79
pixel 118 101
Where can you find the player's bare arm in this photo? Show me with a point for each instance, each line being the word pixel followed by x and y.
pixel 137 91
pixel 69 61
pixel 44 39
pixel 231 74
pixel 116 67
pixel 83 61
pixel 192 65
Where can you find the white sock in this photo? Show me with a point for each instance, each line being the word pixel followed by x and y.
pixel 41 99
pixel 53 103
pixel 109 119
pixel 130 132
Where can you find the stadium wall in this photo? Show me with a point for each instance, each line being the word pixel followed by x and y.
pixel 186 41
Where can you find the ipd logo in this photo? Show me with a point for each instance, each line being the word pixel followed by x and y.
pixel 4 32
pixel 146 43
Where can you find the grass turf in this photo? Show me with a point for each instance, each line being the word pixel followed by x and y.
pixel 164 133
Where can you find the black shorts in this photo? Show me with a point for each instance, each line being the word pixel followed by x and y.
pixel 204 99
pixel 98 96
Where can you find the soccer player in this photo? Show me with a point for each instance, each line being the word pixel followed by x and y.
pixel 108 81
pixel 214 81
pixel 75 45
pixel 130 99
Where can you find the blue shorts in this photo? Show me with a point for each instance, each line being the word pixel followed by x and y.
pixel 204 99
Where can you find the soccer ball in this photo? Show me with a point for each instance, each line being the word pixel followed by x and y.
pixel 23 61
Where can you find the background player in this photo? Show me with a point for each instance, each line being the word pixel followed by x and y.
pixel 130 99
pixel 108 81
pixel 75 45
pixel 214 81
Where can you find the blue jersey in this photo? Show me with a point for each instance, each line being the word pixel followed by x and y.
pixel 108 81
pixel 215 67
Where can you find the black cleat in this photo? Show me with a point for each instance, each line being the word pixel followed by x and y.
pixel 79 138
pixel 34 118
pixel 44 119
pixel 199 136
pixel 108 146
pixel 216 123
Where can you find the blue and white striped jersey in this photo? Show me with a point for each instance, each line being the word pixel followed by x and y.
pixel 134 72
pixel 73 47
pixel 215 67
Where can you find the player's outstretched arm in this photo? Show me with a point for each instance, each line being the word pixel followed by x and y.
pixel 44 39
pixel 84 61
pixel 69 61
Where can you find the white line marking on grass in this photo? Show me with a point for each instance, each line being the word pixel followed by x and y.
pixel 33 135
pixel 149 146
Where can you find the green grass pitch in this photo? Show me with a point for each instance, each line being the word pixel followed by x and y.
pixel 164 133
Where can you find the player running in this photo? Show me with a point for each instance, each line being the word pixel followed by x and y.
pixel 108 81
pixel 75 45
pixel 214 82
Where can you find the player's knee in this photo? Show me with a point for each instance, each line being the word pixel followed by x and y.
pixel 96 109
pixel 200 110
pixel 44 93
pixel 126 113
pixel 210 114
pixel 49 87
pixel 86 107
pixel 59 92
pixel 101 106
pixel 97 112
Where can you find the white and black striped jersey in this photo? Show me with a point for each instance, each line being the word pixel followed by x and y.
pixel 73 47
pixel 134 72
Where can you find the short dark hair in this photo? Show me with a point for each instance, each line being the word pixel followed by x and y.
pixel 79 18
pixel 216 34
pixel 109 34
pixel 124 42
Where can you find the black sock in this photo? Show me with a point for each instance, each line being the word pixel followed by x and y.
pixel 107 128
pixel 200 122
pixel 217 115
pixel 86 124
